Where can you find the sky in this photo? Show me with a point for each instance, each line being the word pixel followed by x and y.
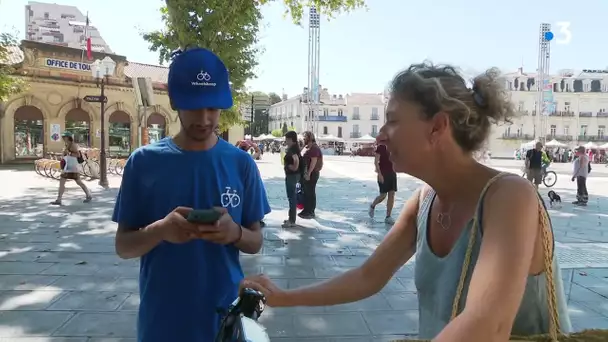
pixel 363 50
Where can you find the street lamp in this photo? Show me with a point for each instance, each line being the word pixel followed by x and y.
pixel 102 70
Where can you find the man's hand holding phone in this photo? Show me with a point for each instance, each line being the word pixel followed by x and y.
pixel 186 224
pixel 175 228
pixel 215 225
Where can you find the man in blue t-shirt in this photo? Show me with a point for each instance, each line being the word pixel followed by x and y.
pixel 189 272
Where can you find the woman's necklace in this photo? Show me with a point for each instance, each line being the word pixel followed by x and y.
pixel 445 219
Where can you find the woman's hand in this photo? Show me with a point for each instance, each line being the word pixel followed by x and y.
pixel 274 295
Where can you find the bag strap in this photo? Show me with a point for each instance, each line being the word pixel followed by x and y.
pixel 547 241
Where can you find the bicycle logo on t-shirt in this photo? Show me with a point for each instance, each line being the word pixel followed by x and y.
pixel 230 199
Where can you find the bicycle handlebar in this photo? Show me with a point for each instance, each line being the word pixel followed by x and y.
pixel 249 306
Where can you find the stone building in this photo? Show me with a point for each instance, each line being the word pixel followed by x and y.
pixel 31 123
pixel 349 116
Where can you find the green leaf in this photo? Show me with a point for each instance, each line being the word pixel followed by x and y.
pixel 9 84
pixel 231 30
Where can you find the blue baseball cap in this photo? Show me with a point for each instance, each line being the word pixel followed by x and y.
pixel 199 79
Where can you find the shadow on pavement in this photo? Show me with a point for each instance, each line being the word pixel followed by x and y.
pixel 59 275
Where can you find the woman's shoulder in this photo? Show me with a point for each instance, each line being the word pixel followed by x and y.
pixel 509 190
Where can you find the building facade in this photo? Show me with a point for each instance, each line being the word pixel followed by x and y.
pixel 579 115
pixel 61 25
pixel 344 116
pixel 31 123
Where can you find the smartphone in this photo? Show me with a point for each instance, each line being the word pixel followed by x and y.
pixel 204 216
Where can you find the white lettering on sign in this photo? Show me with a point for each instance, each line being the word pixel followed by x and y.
pixel 565 33
pixel 70 65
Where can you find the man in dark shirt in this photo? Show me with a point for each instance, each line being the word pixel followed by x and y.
pixel 313 159
pixel 387 183
pixel 534 164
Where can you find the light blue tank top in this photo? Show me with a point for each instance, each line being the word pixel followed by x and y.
pixel 437 279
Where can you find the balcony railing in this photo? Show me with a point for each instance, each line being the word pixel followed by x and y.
pixel 374 134
pixel 559 137
pixel 598 138
pixel 585 114
pixel 602 114
pixel 355 134
pixel 332 118
pixel 356 117
pixel 375 117
pixel 516 136
pixel 562 113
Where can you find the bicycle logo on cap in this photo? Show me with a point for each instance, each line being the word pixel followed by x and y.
pixel 203 76
pixel 230 198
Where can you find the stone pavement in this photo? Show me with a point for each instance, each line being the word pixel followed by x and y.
pixel 61 281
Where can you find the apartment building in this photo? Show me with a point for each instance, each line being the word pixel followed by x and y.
pixel 61 25
pixel 579 116
pixel 347 116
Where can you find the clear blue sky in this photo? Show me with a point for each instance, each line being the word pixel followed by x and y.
pixel 361 51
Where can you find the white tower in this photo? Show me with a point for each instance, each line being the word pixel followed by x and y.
pixel 314 54
pixel 544 103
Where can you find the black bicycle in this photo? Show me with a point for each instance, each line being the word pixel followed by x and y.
pixel 549 177
pixel 240 323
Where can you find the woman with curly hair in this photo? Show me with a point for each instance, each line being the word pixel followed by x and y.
pixel 485 261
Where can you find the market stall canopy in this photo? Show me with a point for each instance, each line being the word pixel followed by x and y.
pixel 528 145
pixel 366 138
pixel 590 145
pixel 604 147
pixel 264 137
pixel 555 143
pixel 330 137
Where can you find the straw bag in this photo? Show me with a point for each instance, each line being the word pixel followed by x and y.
pixel 554 334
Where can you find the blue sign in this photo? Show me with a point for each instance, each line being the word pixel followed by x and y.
pixel 548 36
pixel 70 65
pixel 335 118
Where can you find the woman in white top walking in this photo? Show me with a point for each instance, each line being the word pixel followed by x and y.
pixel 70 169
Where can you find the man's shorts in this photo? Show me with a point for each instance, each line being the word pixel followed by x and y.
pixel 390 183
pixel 535 176
pixel 70 175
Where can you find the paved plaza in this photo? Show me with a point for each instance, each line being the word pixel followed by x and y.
pixel 60 279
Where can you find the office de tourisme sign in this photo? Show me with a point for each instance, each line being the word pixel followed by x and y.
pixel 69 65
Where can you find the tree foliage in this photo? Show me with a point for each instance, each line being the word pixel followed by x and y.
pixel 9 85
pixel 229 29
pixel 274 98
pixel 277 133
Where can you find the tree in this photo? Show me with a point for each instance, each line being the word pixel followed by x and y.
pixel 276 133
pixel 274 98
pixel 9 84
pixel 285 130
pixel 229 29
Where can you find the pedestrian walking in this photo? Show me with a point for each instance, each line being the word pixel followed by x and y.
pixel 581 166
pixel 387 183
pixel 190 272
pixel 70 169
pixel 534 164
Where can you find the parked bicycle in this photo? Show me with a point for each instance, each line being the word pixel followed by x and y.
pixel 549 177
pixel 240 323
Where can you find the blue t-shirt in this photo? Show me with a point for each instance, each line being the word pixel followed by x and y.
pixel 184 286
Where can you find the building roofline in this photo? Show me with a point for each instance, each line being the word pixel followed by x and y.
pixel 30 44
